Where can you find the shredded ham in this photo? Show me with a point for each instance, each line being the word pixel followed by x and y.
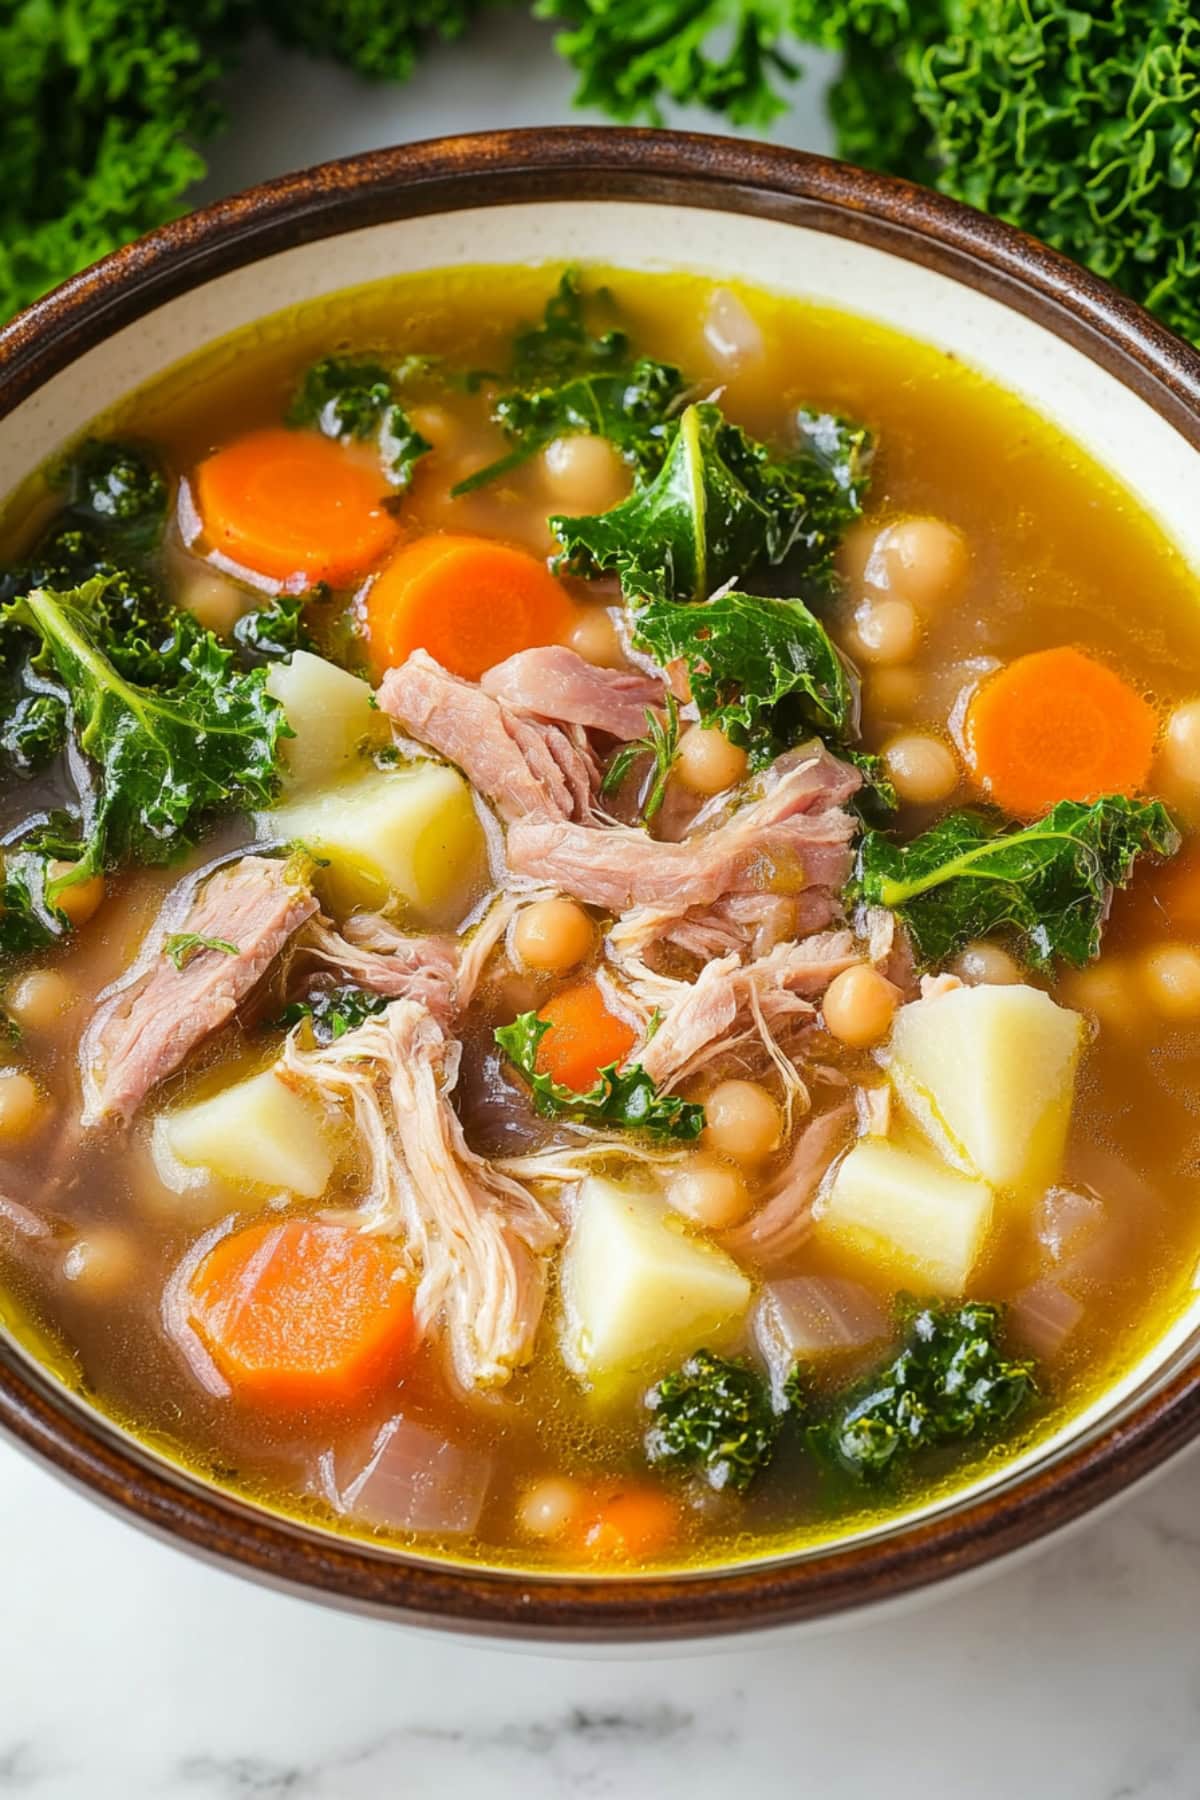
pixel 476 1239
pixel 773 1234
pixel 554 683
pixel 150 1021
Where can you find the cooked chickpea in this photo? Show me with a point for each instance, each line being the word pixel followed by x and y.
pixel 22 1107
pixel 38 999
pixel 859 1006
pixel 892 693
pixel 216 601
pixel 1109 991
pixel 583 474
pixel 854 552
pixel 1181 745
pixel 743 1121
pixel 709 1193
pixel 101 1262
pixel 549 1508
pixel 1171 978
pixel 594 636
pixel 922 769
pixel 922 560
pixel 81 898
pixel 986 965
pixel 553 934
pixel 708 763
pixel 886 631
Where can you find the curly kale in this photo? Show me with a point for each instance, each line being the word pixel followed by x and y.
pixel 949 1382
pixel 381 39
pixel 352 397
pixel 276 631
pixel 333 1011
pixel 119 490
pixel 625 1096
pixel 714 1417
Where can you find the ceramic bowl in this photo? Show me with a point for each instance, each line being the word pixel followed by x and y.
pixel 1081 354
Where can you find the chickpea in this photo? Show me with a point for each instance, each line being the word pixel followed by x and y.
pixel 1108 991
pixel 216 601
pixel 709 1193
pixel 886 630
pixel 921 560
pixel 922 769
pixel 583 474
pixel 1171 978
pixel 1181 745
pixel 38 999
pixel 854 552
pixel 549 1508
pixel 743 1121
pixel 859 1006
pixel 553 934
pixel 81 899
pixel 22 1107
pixel 101 1262
pixel 986 965
pixel 594 636
pixel 893 693
pixel 708 763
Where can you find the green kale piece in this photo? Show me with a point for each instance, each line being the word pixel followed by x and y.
pixel 764 671
pixel 661 742
pixel 276 631
pixel 624 1097
pixel 352 397
pixel 1049 883
pixel 381 39
pixel 156 760
pixel 561 345
pixel 119 490
pixel 181 946
pixel 949 1382
pixel 332 1012
pixel 713 1416
pixel 34 731
pixel 721 504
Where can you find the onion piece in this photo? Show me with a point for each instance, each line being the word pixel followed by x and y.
pixel 730 332
pixel 409 1479
pixel 1043 1316
pixel 809 1317
pixel 26 1224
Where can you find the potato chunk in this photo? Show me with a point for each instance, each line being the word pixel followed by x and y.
pixel 331 713
pixel 905 1218
pixel 256 1131
pixel 409 834
pixel 639 1291
pixel 989 1074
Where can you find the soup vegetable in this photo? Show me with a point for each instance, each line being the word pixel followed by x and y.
pixel 601 966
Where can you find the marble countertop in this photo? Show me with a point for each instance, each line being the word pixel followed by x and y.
pixel 131 1672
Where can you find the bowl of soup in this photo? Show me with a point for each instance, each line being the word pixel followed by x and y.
pixel 601 915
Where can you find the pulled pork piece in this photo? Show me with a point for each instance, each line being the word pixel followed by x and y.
pixel 729 999
pixel 526 767
pixel 554 683
pixel 773 1234
pixel 794 836
pixel 743 925
pixel 477 1240
pixel 147 1025
pixel 385 961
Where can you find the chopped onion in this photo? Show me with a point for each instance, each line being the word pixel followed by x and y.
pixel 811 1316
pixel 1065 1222
pixel 177 1312
pixel 25 1223
pixel 1044 1315
pixel 410 1479
pixel 729 331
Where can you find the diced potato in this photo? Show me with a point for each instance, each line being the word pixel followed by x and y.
pixel 988 1073
pixel 257 1131
pixel 330 712
pixel 639 1291
pixel 905 1218
pixel 410 834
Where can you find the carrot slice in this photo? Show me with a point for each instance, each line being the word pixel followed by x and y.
pixel 469 601
pixel 1057 726
pixel 629 1523
pixel 584 1037
pixel 303 1314
pixel 291 503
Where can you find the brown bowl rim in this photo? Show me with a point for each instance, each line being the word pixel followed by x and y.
pixel 706 172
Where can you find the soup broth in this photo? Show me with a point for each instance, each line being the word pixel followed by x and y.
pixel 400 1291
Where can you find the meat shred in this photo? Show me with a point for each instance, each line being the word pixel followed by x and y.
pixel 554 683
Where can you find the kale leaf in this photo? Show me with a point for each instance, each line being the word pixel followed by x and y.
pixel 352 397
pixel 1049 883
pixel 333 1011
pixel 948 1383
pixel 34 731
pixel 713 1416
pixel 723 503
pixel 275 631
pixel 625 1097
pixel 119 490
pixel 562 345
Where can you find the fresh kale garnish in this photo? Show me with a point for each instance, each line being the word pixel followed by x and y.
pixel 713 1416
pixel 721 504
pixel 353 397
pixel 181 946
pixel 660 742
pixel 275 631
pixel 1049 884
pixel 949 1382
pixel 625 1097
pixel 765 672
pixel 116 488
pixel 332 1012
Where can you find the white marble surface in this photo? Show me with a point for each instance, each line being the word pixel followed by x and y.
pixel 129 1672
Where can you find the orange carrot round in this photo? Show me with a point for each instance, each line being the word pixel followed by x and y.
pixel 468 601
pixel 584 1037
pixel 1056 725
pixel 629 1523
pixel 302 1314
pixel 291 503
